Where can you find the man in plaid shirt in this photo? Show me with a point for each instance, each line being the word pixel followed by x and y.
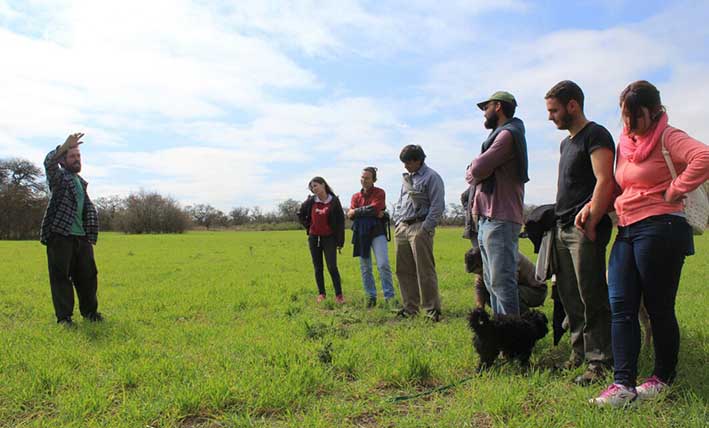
pixel 69 230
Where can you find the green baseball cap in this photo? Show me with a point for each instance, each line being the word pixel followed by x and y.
pixel 499 96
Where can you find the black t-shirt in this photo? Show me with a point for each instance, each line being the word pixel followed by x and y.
pixel 576 179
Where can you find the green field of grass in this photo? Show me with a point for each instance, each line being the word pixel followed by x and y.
pixel 221 329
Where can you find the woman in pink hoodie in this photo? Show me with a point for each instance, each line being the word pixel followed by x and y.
pixel 652 242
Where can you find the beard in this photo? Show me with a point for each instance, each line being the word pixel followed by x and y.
pixel 74 167
pixel 491 122
pixel 565 121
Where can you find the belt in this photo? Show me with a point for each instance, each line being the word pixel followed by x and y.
pixel 411 221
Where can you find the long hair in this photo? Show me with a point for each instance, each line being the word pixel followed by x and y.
pixel 372 170
pixel 322 181
pixel 637 95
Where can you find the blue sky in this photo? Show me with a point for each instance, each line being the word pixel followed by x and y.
pixel 240 103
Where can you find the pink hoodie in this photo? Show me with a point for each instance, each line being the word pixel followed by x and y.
pixel 643 184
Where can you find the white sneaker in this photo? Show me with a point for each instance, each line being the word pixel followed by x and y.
pixel 652 387
pixel 615 396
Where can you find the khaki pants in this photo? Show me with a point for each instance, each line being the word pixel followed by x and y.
pixel 416 268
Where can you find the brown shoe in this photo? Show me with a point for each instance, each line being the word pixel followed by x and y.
pixel 593 374
pixel 571 364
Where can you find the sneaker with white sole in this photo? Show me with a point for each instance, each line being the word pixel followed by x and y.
pixel 615 396
pixel 652 388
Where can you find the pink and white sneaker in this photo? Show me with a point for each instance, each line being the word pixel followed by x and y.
pixel 652 388
pixel 320 298
pixel 615 396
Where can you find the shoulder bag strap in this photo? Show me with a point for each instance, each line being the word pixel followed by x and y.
pixel 666 155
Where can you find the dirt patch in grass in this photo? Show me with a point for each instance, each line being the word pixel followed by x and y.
pixel 532 404
pixel 366 420
pixel 193 421
pixel 482 420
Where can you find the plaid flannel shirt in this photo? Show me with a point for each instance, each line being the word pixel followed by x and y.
pixel 62 203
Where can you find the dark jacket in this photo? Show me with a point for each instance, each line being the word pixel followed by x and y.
pixel 541 219
pixel 62 203
pixel 470 230
pixel 516 127
pixel 336 218
pixel 363 234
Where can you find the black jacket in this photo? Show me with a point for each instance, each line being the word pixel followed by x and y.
pixel 541 219
pixel 61 210
pixel 336 218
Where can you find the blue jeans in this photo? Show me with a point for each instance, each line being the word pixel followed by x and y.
pixel 646 260
pixel 499 241
pixel 381 252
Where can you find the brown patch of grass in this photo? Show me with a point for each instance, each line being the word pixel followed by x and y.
pixel 532 404
pixel 196 421
pixel 482 420
pixel 366 420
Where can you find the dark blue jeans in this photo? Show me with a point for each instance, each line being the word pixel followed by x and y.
pixel 646 260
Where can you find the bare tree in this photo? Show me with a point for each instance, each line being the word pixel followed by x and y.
pixel 108 208
pixel 206 215
pixel 23 199
pixel 256 215
pixel 149 212
pixel 239 216
pixel 22 174
pixel 288 210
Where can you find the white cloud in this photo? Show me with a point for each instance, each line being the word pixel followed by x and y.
pixel 11 147
pixel 233 103
pixel 365 28
pixel 169 59
pixel 685 97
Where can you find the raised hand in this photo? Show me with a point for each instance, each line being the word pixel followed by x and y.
pixel 72 141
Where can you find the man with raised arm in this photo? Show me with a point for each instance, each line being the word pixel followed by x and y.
pixel 69 230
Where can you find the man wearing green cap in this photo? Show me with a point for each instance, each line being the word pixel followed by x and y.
pixel 499 174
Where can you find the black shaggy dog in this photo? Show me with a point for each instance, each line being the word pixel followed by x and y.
pixel 514 335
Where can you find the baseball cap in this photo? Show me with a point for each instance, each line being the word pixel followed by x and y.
pixel 499 96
